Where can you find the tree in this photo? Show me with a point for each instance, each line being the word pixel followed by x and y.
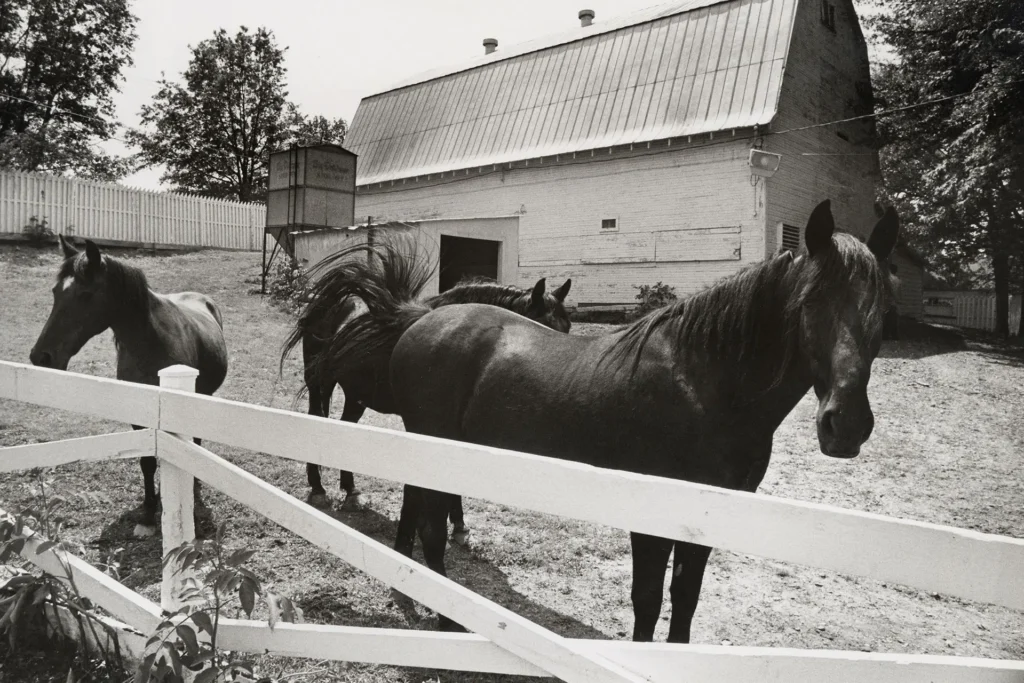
pixel 315 130
pixel 60 63
pixel 214 133
pixel 956 168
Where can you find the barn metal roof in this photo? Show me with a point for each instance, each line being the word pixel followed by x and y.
pixel 683 68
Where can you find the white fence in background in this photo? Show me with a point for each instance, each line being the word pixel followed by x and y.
pixel 965 564
pixel 976 310
pixel 107 211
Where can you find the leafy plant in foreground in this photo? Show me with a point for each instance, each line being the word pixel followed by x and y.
pixel 187 639
pixel 30 602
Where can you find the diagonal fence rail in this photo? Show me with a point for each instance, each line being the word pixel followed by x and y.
pixel 974 566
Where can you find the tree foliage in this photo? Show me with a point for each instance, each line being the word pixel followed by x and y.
pixel 956 167
pixel 214 132
pixel 60 64
pixel 316 130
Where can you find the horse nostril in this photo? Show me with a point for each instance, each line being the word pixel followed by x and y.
pixel 829 422
pixel 41 358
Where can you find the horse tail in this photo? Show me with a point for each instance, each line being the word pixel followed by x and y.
pixel 388 281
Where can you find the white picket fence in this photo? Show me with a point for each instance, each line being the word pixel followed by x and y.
pixel 107 211
pixel 961 563
pixel 976 310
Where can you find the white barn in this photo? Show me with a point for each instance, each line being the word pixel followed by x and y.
pixel 624 146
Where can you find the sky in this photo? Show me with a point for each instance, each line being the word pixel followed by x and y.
pixel 338 50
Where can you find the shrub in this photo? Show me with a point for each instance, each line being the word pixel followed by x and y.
pixel 37 231
pixel 177 648
pixel 28 598
pixel 288 286
pixel 654 296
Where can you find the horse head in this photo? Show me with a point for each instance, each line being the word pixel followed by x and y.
pixel 845 290
pixel 549 308
pixel 82 306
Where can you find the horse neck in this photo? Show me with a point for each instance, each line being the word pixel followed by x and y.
pixel 134 328
pixel 758 369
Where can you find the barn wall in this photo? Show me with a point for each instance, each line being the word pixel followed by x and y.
pixel 827 78
pixel 313 246
pixel 685 217
pixel 911 290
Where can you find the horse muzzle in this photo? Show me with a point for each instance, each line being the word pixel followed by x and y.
pixel 45 359
pixel 841 434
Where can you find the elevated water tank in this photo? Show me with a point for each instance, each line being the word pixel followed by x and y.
pixel 309 188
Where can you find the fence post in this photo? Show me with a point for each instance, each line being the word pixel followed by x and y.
pixel 176 487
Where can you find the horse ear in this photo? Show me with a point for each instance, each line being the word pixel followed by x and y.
pixel 884 236
pixel 820 227
pixel 93 252
pixel 537 297
pixel 562 291
pixel 66 247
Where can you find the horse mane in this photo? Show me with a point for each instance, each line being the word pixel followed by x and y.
pixel 482 291
pixel 757 310
pixel 127 285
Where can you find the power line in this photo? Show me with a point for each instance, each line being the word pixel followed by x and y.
pixel 721 141
pixel 84 117
pixel 896 110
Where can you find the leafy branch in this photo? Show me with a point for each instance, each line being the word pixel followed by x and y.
pixel 179 643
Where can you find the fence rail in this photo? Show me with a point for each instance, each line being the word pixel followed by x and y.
pixel 116 213
pixel 972 565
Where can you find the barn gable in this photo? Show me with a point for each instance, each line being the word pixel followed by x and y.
pixel 681 69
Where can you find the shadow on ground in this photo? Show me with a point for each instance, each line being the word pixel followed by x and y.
pixel 471 571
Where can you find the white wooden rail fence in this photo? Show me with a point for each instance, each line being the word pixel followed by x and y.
pixel 956 562
pixel 116 213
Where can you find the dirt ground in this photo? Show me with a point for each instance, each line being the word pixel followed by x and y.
pixel 946 448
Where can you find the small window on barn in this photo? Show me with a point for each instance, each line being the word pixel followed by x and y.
pixel 609 224
pixel 790 238
pixel 828 15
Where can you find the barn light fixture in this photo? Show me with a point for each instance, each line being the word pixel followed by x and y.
pixel 764 164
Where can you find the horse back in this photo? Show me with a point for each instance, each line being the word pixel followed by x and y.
pixel 191 331
pixel 491 378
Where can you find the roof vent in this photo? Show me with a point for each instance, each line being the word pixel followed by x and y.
pixel 490 45
pixel 586 17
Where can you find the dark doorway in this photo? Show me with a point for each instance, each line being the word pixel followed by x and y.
pixel 462 257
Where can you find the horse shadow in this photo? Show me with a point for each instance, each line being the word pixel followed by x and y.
pixel 139 560
pixel 464 566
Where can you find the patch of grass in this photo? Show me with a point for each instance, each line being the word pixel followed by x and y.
pixel 946 449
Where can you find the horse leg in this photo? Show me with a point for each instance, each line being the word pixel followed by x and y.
pixel 354 499
pixel 650 557
pixel 688 564
pixel 412 498
pixel 321 408
pixel 433 531
pixel 201 510
pixel 147 527
pixel 460 532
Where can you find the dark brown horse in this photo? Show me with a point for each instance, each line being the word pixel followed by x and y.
pixel 387 278
pixel 152 331
pixel 694 391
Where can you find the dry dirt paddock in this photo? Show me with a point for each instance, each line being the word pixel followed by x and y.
pixel 947 448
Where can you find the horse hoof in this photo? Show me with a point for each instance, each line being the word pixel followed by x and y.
pixel 356 502
pixel 461 537
pixel 144 531
pixel 319 500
